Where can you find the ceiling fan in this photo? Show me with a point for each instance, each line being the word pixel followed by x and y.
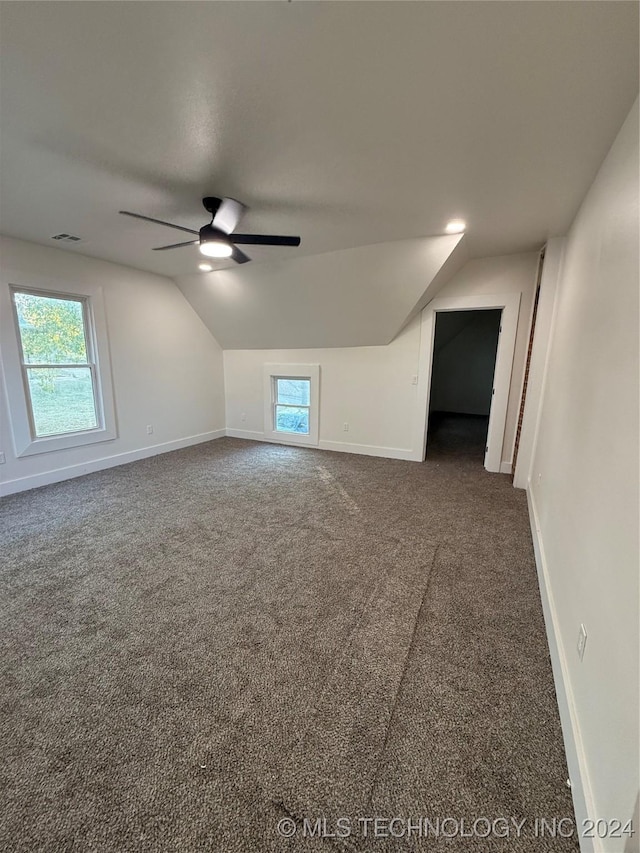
pixel 216 240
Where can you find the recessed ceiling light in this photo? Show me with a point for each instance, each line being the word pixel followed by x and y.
pixel 456 226
pixel 205 267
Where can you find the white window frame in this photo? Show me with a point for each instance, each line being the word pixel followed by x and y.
pixel 276 403
pixel 291 371
pixel 24 438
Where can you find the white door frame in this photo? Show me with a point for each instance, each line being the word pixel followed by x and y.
pixel 510 305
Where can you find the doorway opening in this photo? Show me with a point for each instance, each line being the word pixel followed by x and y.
pixel 462 382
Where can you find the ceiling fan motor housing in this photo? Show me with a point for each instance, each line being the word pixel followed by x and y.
pixel 211 234
pixel 211 204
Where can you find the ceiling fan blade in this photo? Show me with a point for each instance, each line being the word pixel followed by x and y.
pixel 239 256
pixel 158 221
pixel 176 245
pixel 264 240
pixel 228 215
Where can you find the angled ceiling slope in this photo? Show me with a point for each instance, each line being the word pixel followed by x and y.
pixel 347 123
pixel 354 297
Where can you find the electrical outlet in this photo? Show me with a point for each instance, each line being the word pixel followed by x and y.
pixel 414 379
pixel 149 429
pixel 582 641
pixel 345 427
pixel 243 416
pixel 2 459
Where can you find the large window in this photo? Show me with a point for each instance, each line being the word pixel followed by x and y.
pixel 58 367
pixel 291 403
pixel 55 365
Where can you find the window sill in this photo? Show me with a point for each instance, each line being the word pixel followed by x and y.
pixel 291 438
pixel 66 442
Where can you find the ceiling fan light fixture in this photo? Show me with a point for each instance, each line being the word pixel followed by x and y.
pixel 216 249
pixel 214 243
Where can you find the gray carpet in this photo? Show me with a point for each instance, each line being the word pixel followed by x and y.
pixel 201 644
pixel 463 436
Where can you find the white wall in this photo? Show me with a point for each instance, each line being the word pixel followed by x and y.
pixel 464 364
pixel 371 388
pixel 167 368
pixel 584 487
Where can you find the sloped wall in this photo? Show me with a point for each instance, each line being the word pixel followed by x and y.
pixel 354 297
pixel 167 368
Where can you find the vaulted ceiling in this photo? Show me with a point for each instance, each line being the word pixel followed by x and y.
pixel 351 124
pixel 354 297
pixel 347 123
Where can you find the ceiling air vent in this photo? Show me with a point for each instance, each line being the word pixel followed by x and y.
pixel 66 238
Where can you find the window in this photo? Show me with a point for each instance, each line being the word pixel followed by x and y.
pixel 291 396
pixel 58 367
pixel 292 402
pixel 55 364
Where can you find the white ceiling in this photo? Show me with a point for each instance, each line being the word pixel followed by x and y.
pixel 347 123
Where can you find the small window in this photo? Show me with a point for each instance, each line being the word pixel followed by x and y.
pixel 292 404
pixel 58 364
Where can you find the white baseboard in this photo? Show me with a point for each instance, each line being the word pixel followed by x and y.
pixel 505 467
pixel 33 481
pixel 249 434
pixel 323 444
pixel 367 450
pixel 254 435
pixel 576 758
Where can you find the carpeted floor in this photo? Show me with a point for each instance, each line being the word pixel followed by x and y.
pixel 463 436
pixel 202 644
